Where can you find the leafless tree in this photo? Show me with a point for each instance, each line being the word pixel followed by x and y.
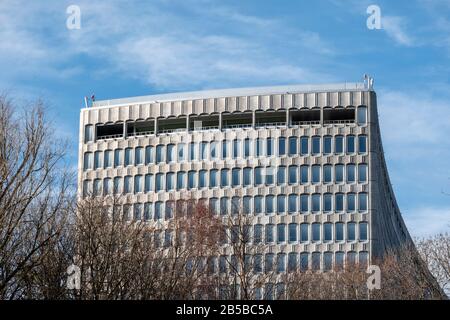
pixel 33 190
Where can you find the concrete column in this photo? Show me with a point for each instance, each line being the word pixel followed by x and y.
pixel 187 123
pixel 287 118
pixel 254 119
pixel 220 121
pixel 125 129
pixel 156 125
pixel 321 116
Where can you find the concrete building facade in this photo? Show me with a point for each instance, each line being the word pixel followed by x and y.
pixel 306 161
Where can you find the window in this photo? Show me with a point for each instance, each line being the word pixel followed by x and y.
pixel 339 260
pixel 169 209
pixel 246 204
pixel 158 210
pixel 138 185
pixel 339 231
pixel 148 183
pixel 304 174
pixel 281 262
pixel 269 233
pixel 327 202
pixel 214 150
pixel 304 261
pixel 159 182
pixel 257 263
pixel 247 177
pixel 97 160
pixel 247 147
pixel 170 153
pixel 259 147
pixel 304 203
pixel 363 258
pixel 315 145
pixel 203 150
pixel 292 203
pixel 214 205
pixel 281 146
pixel 315 261
pixel 192 152
pixel 292 146
pixel 315 232
pixel 128 157
pixel 118 158
pixel 202 179
pixel 87 161
pixel 159 153
pixel 351 258
pixel 236 149
pixel 223 264
pixel 281 175
pixel 138 156
pixel 148 211
pixel 292 232
pixel 225 149
pixel 235 205
pixel 97 187
pixel 235 177
pixel 181 152
pixel 88 133
pixel 281 233
pixel 181 180
pixel 269 204
pixel 258 176
pixel 257 233
pixel 149 154
pixel 339 202
pixel 223 206
pixel 170 181
pixel 117 185
pixel 363 231
pixel 327 261
pixel 213 178
pixel 362 197
pixel 351 231
pixel 270 175
pixel 362 115
pixel 293 171
pixel 362 173
pixel 137 211
pixel 327 145
pixel 304 232
pixel 108 161
pixel 258 205
pixel 127 184
pixel 107 186
pixel 315 174
pixel 327 173
pixel 304 149
pixel 351 173
pixel 327 231
pixel 281 204
pixel 338 144
pixel 224 178
pixel 191 179
pixel 316 202
pixel 350 144
pixel 339 173
pixel 362 144
pixel 269 147
pixel 268 263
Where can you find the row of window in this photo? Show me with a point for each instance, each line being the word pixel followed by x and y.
pixel 257 205
pixel 280 262
pixel 214 178
pixel 234 149
pixel 286 233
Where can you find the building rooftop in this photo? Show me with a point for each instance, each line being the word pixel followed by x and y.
pixel 221 93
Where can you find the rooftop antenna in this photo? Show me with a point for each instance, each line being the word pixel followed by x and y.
pixel 86 102
pixel 368 81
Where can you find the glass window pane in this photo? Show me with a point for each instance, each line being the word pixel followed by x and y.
pixel 362 115
pixel 315 145
pixel 292 232
pixel 148 183
pixel 327 202
pixel 363 231
pixel 339 203
pixel 181 152
pixel 351 173
pixel 350 144
pixel 213 179
pixel 362 144
pixel 362 197
pixel 293 171
pixel 235 177
pixel 292 146
pixel 304 203
pixel 304 174
pixel 339 231
pixel 159 153
pixel 315 174
pixel 281 232
pixel 247 177
pixel 258 176
pixel 339 173
pixel 327 173
pixel 351 226
pixel 304 232
pixel 281 175
pixel 149 156
pixel 281 204
pixel 118 158
pixel 258 206
pixel 327 145
pixel 362 173
pixel 292 203
pixel 304 149
pixel 269 147
pixel 202 179
pixel 339 144
pixel 316 232
pixel 224 182
pixel 281 146
pixel 269 204
pixel 327 231
pixel 316 202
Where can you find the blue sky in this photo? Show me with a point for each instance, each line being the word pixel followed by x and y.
pixel 129 48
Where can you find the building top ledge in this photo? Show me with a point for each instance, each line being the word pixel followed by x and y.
pixel 236 92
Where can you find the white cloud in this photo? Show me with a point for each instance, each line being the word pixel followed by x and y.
pixel 395 28
pixel 426 221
